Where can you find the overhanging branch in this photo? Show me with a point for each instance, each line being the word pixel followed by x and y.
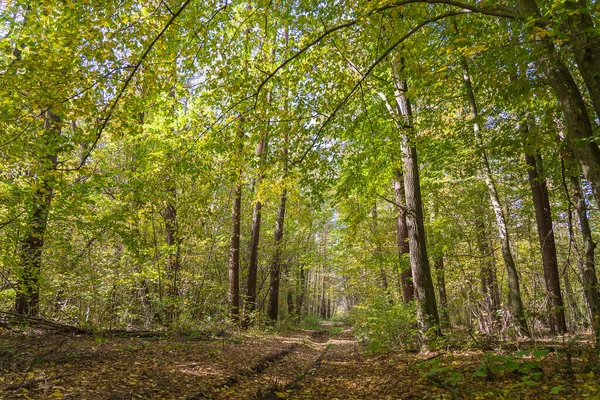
pixel 127 81
pixel 368 72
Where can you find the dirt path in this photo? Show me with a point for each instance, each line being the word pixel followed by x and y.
pixel 322 364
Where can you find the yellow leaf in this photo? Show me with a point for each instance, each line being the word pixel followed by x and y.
pixel 281 395
pixel 57 394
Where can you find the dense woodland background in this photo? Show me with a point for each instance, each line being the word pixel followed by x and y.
pixel 191 164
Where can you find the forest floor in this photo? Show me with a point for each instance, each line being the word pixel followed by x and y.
pixel 307 364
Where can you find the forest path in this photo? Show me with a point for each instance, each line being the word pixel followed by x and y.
pixel 306 364
pixel 346 371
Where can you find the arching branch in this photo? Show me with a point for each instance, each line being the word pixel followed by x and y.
pixel 127 81
pixel 368 72
pixel 496 11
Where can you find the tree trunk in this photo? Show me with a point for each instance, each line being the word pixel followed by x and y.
pixel 579 133
pixel 30 248
pixel 377 254
pixel 589 278
pixel 427 312
pixel 302 290
pixel 250 305
pixel 233 294
pixel 438 265
pixel 585 44
pixel 487 276
pixel 543 218
pixel 173 265
pixel 514 292
pixel 273 309
pixel 569 299
pixel 403 246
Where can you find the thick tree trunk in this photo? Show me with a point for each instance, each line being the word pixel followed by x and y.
pixel 234 254
pixel 30 248
pixel 514 292
pixel 589 278
pixel 579 127
pixel 233 294
pixel 250 305
pixel 427 312
pixel 273 308
pixel 408 290
pixel 543 218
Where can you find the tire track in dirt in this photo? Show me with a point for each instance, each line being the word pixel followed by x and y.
pixel 282 367
pixel 322 338
pixel 259 367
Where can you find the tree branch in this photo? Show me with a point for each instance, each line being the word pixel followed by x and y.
pixel 496 11
pixel 128 81
pixel 370 69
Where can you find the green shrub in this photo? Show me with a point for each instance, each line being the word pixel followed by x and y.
pixel 385 326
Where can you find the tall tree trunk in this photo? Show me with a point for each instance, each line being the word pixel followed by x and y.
pixel 589 278
pixel 514 292
pixel 584 40
pixel 250 305
pixel 377 254
pixel 408 290
pixel 427 312
pixel 30 248
pixel 172 238
pixel 302 290
pixel 487 276
pixel 543 218
pixel 438 265
pixel 579 133
pixel 173 264
pixel 570 299
pixel 273 309
pixel 233 294
pixel 323 307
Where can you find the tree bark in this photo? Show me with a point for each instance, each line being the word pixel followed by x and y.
pixel 302 290
pixel 233 294
pixel 408 290
pixel 273 308
pixel 543 218
pixel 579 133
pixel 250 305
pixel 30 248
pixel 173 264
pixel 438 265
pixel 570 299
pixel 589 278
pixel 172 244
pixel 487 276
pixel 514 292
pixel 585 44
pixel 377 253
pixel 427 312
